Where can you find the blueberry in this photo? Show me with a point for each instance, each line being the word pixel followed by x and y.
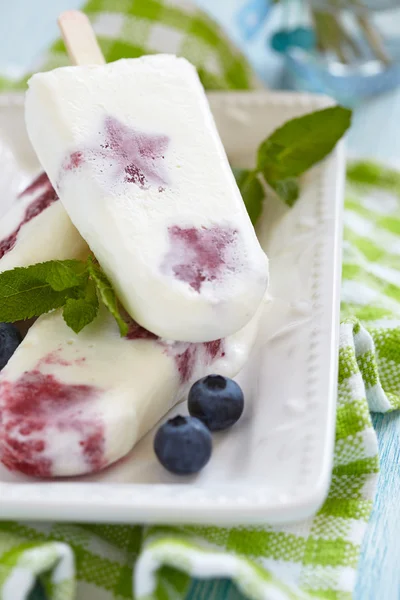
pixel 10 339
pixel 217 401
pixel 183 445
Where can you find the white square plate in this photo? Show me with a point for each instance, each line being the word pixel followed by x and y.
pixel 274 465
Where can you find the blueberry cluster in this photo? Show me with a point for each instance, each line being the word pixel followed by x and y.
pixel 183 445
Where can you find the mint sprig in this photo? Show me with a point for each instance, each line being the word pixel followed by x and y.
pixel 73 285
pixel 302 142
pixel 290 151
pixel 106 293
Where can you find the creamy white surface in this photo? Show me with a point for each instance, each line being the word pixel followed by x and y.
pixel 137 382
pixel 127 226
pixel 48 236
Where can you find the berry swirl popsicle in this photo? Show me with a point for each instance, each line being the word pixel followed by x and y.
pixel 72 404
pixel 133 152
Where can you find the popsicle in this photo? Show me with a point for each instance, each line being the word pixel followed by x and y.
pixel 36 228
pixel 73 404
pixel 134 154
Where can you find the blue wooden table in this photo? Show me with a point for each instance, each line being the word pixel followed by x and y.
pixel 28 27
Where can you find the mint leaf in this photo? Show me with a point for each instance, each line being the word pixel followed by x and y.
pixel 288 152
pixel 79 312
pixel 21 304
pixel 301 143
pixel 62 275
pixel 107 294
pixel 287 189
pixel 59 274
pixel 27 292
pixel 252 192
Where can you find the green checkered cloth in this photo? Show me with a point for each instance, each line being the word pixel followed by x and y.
pixel 131 28
pixel 313 559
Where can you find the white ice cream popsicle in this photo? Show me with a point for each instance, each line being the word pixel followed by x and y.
pixel 36 228
pixel 73 404
pixel 132 150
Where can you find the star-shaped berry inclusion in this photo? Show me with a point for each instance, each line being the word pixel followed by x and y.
pixel 126 154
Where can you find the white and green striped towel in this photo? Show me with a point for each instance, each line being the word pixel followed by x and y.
pixel 313 559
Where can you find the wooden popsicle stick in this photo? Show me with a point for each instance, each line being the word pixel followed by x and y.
pixel 79 38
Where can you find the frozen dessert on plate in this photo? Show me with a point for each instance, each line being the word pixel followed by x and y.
pixel 72 404
pixel 134 154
